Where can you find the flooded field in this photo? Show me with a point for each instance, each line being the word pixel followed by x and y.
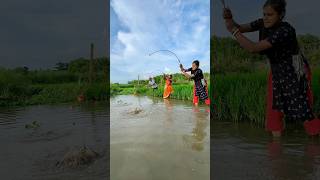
pixel 54 142
pixel 158 139
pixel 241 151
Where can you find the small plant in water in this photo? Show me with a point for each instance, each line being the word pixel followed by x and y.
pixel 33 125
pixel 78 157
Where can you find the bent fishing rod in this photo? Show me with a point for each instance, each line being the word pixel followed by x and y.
pixel 167 51
pixel 223 3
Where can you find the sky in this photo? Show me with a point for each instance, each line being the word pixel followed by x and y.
pixel 140 27
pixel 39 33
pixel 303 15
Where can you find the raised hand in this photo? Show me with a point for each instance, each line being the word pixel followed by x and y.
pixel 227 14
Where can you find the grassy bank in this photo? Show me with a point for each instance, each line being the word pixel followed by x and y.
pixel 23 87
pixel 183 88
pixel 53 93
pixel 242 96
pixel 181 91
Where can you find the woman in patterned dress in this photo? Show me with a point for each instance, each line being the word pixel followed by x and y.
pixel 289 91
pixel 200 88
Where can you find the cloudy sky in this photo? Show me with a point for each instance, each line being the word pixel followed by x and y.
pixel 303 15
pixel 140 27
pixel 40 33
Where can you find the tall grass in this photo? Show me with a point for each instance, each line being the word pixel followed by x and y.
pixel 181 91
pixel 242 96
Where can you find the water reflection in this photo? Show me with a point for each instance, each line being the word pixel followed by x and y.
pixel 154 145
pixel 198 131
pixel 168 114
pixel 196 138
pixel 302 164
pixel 61 128
pixel 294 156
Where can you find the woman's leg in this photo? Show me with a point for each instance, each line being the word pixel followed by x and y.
pixel 274 118
pixel 195 98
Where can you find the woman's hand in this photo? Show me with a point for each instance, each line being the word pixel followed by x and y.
pixel 227 14
pixel 181 67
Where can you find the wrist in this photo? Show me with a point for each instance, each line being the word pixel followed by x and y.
pixel 235 31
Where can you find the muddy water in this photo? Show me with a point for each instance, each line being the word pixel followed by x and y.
pixel 158 139
pixel 32 153
pixel 245 152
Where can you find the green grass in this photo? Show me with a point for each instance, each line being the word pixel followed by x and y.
pixel 22 87
pixel 183 88
pixel 181 91
pixel 57 93
pixel 242 96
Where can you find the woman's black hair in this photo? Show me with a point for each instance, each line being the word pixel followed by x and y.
pixel 196 62
pixel 277 5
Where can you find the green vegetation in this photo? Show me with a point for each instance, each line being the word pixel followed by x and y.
pixel 183 88
pixel 21 86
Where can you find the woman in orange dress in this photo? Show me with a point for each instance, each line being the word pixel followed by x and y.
pixel 168 90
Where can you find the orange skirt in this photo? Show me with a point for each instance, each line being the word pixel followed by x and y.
pixel 167 91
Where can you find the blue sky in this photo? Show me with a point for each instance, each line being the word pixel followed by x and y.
pixel 139 27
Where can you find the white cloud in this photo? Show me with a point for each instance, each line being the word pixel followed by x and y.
pixel 180 26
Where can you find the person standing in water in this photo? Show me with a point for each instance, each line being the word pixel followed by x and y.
pixel 168 90
pixel 289 88
pixel 200 88
pixel 152 83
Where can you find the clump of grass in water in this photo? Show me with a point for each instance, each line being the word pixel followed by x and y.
pixel 33 125
pixel 78 157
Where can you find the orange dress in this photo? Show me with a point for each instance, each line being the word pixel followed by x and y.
pixel 167 89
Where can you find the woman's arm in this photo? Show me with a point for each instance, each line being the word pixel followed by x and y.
pixel 253 47
pixel 244 28
pixel 244 41
pixel 186 74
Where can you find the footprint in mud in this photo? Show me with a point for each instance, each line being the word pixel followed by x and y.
pixel 77 158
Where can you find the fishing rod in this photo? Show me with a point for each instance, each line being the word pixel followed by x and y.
pixel 223 3
pixel 167 51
